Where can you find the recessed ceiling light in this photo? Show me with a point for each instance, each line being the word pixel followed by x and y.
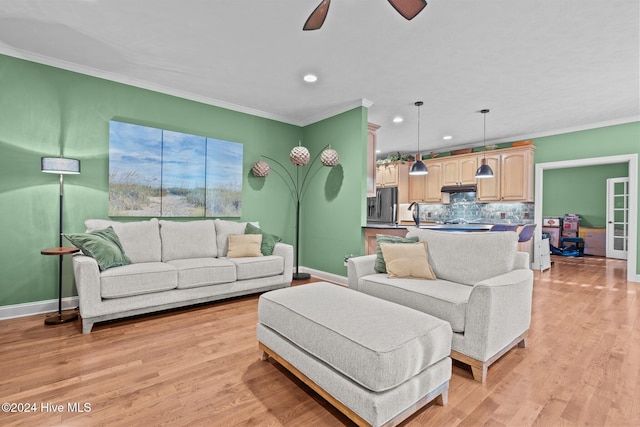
pixel 398 119
pixel 310 78
pixel 447 137
pixel 378 151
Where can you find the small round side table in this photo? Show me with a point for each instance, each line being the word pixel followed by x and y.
pixel 67 315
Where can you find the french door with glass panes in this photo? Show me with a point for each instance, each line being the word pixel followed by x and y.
pixel 617 217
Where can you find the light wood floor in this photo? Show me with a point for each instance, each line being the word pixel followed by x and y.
pixel 201 366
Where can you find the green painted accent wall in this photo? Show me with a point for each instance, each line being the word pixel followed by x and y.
pixel 600 142
pixel 582 191
pixel 334 205
pixel 45 111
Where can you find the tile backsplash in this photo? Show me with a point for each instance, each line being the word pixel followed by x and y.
pixel 463 206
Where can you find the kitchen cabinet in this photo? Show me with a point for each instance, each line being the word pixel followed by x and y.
pixel 394 175
pixel 426 188
pixel 513 176
pixel 459 171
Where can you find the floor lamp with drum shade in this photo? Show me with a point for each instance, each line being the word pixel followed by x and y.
pixel 61 166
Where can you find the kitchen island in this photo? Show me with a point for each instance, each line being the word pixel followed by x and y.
pixel 371 230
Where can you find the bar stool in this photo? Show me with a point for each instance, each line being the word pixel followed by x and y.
pixel 504 227
pixel 526 233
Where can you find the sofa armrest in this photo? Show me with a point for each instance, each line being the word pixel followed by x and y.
pixel 358 267
pixel 521 260
pixel 285 250
pixel 498 311
pixel 87 276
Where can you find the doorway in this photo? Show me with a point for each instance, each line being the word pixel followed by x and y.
pixel 632 230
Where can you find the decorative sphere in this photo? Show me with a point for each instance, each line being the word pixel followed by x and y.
pixel 299 156
pixel 260 169
pixel 329 157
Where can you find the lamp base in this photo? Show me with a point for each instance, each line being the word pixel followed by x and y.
pixel 301 276
pixel 64 317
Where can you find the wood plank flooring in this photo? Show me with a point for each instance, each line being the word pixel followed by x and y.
pixel 201 366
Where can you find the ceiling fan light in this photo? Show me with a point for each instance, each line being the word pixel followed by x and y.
pixel 418 168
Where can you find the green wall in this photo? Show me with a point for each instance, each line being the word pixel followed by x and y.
pixel 45 111
pixel 601 142
pixel 580 190
pixel 333 210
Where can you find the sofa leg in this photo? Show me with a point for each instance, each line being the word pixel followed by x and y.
pixel 264 356
pixel 86 326
pixel 523 343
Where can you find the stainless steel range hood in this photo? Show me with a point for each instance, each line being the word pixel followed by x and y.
pixel 459 188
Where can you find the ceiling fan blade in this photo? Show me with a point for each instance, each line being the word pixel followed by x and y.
pixel 408 8
pixel 316 19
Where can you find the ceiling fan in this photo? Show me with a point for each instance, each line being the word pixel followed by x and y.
pixel 407 8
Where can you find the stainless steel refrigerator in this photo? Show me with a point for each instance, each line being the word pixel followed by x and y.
pixel 383 207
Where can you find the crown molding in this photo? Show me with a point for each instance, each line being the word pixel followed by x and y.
pixel 114 77
pixel 363 102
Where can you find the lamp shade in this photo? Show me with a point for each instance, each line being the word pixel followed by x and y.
pixel 484 171
pixel 60 165
pixel 418 168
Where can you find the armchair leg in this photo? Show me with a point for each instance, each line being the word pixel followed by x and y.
pixel 479 368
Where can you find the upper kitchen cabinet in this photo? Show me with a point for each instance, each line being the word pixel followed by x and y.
pixel 459 171
pixel 371 159
pixel 394 174
pixel 513 176
pixel 426 188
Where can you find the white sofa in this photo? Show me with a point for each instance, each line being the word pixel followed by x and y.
pixel 483 289
pixel 173 264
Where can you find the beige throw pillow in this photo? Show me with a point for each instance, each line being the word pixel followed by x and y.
pixel 244 245
pixel 408 260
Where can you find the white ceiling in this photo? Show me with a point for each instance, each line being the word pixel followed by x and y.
pixel 541 66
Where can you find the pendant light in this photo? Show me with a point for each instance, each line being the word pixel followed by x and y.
pixel 484 171
pixel 418 168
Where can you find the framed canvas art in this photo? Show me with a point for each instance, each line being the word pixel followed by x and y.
pixel 155 172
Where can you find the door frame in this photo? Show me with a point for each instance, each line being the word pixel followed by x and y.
pixel 632 160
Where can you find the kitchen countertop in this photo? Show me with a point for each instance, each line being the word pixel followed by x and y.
pixel 441 227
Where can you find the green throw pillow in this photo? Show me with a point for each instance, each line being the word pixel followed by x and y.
pixel 268 240
pixel 380 265
pixel 101 245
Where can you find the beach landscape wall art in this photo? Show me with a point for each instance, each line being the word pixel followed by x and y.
pixel 161 173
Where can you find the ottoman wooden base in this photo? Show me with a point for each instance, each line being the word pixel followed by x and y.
pixel 440 394
pixel 375 361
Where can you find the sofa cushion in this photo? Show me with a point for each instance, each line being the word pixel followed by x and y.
pixel 224 229
pixel 268 240
pixel 189 239
pixel 375 343
pixel 440 298
pixel 469 258
pixel 380 266
pixel 101 245
pixel 244 245
pixel 256 267
pixel 137 279
pixel 195 272
pixel 140 239
pixel 407 260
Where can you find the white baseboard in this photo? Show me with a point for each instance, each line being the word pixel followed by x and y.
pixel 325 275
pixel 38 307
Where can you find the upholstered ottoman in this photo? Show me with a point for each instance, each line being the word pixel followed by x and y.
pixel 374 360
